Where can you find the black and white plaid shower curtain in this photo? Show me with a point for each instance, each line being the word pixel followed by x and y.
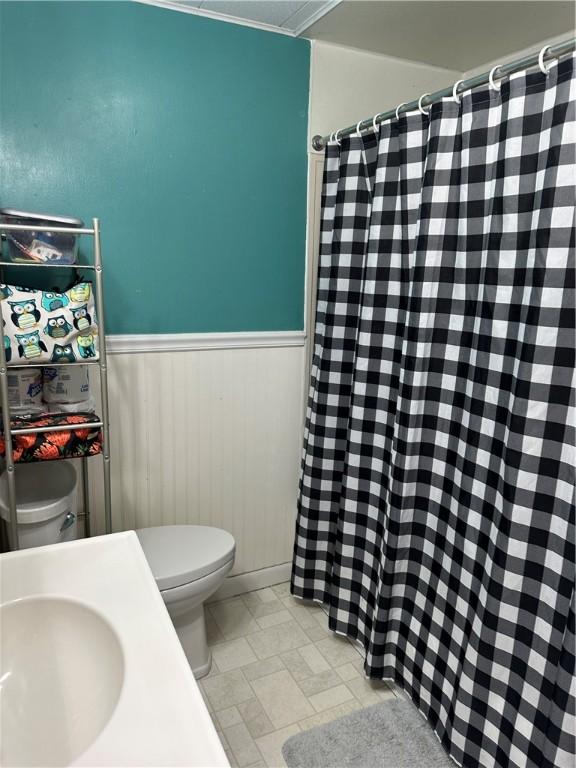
pixel 436 510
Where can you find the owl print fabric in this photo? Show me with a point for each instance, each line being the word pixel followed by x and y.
pixel 49 327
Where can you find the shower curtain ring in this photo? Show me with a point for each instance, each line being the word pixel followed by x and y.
pixel 455 92
pixel 398 109
pixel 336 137
pixel 543 68
pixel 491 78
pixel 358 131
pixel 374 126
pixel 420 107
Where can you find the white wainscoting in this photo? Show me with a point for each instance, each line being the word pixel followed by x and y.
pixel 207 429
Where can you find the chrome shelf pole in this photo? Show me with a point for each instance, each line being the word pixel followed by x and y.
pixel 10 472
pixel 103 377
pixel 86 498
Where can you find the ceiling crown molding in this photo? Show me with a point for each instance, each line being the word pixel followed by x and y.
pixel 302 26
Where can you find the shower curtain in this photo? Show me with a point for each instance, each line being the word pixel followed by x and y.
pixel 436 507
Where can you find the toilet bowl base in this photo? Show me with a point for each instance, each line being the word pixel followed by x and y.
pixel 204 669
pixel 185 605
pixel 191 630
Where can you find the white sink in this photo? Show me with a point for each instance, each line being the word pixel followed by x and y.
pixel 62 673
pixel 91 670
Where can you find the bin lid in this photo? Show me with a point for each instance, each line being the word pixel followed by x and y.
pixel 48 218
pixel 42 490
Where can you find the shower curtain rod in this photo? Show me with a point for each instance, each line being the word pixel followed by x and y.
pixel 550 52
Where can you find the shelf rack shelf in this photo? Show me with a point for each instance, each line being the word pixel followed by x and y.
pixel 9 432
pixel 78 267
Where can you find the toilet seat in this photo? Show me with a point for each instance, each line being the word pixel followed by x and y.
pixel 181 554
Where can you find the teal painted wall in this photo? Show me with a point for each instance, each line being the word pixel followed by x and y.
pixel 185 135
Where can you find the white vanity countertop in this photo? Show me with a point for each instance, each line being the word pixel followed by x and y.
pixel 160 718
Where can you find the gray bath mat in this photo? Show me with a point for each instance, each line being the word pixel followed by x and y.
pixel 392 734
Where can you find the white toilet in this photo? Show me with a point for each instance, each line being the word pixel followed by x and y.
pixel 189 563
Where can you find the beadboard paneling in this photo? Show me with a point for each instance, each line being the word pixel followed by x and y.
pixel 211 437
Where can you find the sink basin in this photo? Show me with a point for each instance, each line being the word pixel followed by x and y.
pixel 91 671
pixel 61 674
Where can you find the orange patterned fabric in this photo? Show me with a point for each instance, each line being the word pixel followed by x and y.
pixel 48 446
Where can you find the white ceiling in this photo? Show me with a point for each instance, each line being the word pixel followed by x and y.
pixel 276 15
pixel 457 34
pixel 453 34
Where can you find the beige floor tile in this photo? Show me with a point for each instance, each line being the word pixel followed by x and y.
pixel 276 640
pixel 316 633
pixel 297 665
pixel 305 662
pixel 320 682
pixel 213 633
pixel 368 698
pixel 387 692
pixel 383 685
pixel 221 736
pixel 232 618
pixel 267 595
pixel 227 717
pixel 274 618
pixel 282 699
pixel 330 698
pixel 277 668
pixel 252 598
pixel 232 599
pixel 206 699
pixel 256 720
pixel 226 690
pixel 263 668
pixel 369 692
pixel 242 745
pixel 271 746
pixel 260 726
pixel 310 605
pixel 321 617
pixel 305 614
pixel 282 590
pixel 258 608
pixel 250 709
pixel 314 658
pixel 348 672
pixel 262 643
pixel 330 714
pixel 231 758
pixel 337 650
pixel 233 654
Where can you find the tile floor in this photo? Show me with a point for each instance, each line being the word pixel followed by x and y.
pixel 277 669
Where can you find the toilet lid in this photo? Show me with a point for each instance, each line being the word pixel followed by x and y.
pixel 179 554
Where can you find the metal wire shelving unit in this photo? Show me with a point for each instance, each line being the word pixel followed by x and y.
pixel 10 469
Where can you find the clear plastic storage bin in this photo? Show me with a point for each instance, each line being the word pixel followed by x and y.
pixel 40 247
